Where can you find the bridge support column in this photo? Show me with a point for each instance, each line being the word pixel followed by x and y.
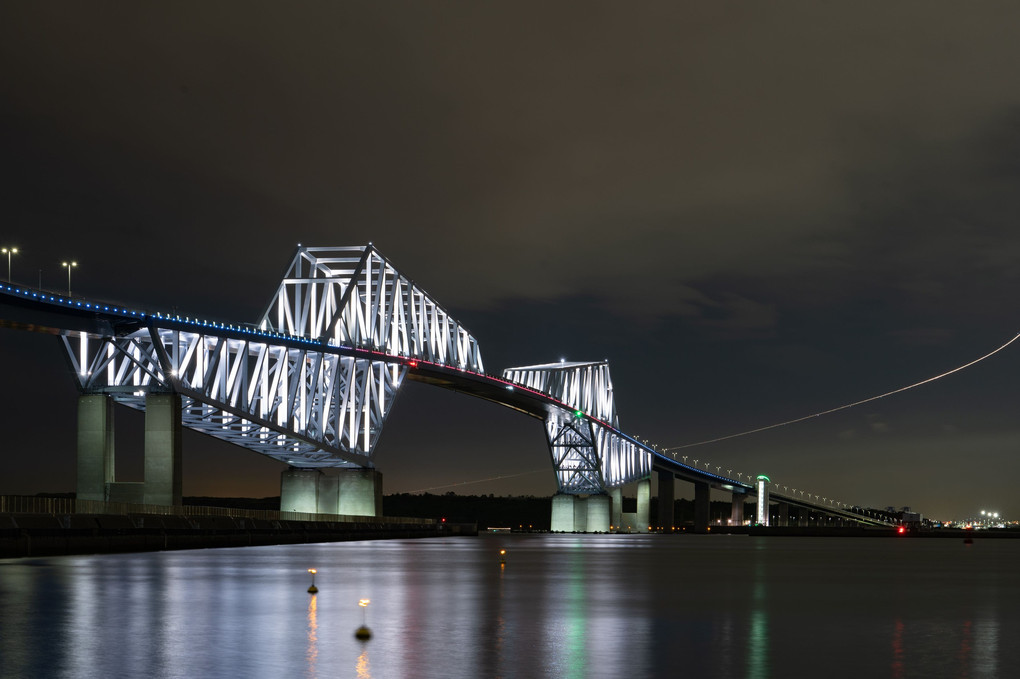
pixel 737 510
pixel 562 513
pixel 359 492
pixel 667 500
pixel 95 446
pixel 163 464
pixel 580 513
pixel 644 505
pixel 616 498
pixel 352 492
pixel 597 519
pixel 299 490
pixel 702 504
pixel 783 514
pixel 327 496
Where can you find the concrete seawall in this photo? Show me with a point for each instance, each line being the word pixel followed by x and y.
pixel 24 535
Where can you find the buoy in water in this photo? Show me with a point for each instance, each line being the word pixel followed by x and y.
pixel 363 633
pixel 313 589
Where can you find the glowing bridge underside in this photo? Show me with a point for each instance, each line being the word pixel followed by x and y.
pixel 312 383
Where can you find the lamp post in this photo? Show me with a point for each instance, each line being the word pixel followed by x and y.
pixel 9 252
pixel 69 266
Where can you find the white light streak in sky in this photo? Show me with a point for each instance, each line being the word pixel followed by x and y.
pixel 848 405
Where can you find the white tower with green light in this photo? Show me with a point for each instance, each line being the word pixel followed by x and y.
pixel 762 518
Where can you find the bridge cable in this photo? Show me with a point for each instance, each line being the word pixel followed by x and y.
pixel 848 405
pixel 468 483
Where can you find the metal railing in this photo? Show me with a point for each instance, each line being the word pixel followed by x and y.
pixel 19 504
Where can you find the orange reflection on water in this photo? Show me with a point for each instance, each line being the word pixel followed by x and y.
pixel 313 640
pixel 364 671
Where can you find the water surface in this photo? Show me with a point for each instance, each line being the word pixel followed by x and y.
pixel 561 606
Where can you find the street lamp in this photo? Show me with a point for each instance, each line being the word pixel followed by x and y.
pixel 69 266
pixel 9 252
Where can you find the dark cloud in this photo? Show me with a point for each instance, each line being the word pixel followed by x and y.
pixel 754 211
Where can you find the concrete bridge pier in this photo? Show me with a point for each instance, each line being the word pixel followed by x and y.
pixel 667 500
pixel 643 517
pixel 702 504
pixel 96 479
pixel 616 507
pixel 737 510
pixel 359 492
pixel 352 492
pixel 299 490
pixel 783 514
pixel 95 446
pixel 638 521
pixel 163 463
pixel 562 513
pixel 581 513
pixel 598 514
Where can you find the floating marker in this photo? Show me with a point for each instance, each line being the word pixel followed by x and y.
pixel 363 633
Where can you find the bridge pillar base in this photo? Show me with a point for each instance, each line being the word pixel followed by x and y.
pixel 783 512
pixel 562 513
pixel 667 500
pixel 299 490
pixel 163 463
pixel 359 492
pixel 599 510
pixel 702 505
pixel 580 513
pixel 616 500
pixel 737 510
pixel 352 492
pixel 95 446
pixel 128 492
pixel 643 518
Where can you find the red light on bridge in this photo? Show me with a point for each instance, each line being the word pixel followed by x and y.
pixel 901 530
pixel 413 363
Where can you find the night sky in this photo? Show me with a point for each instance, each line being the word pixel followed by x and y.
pixel 755 211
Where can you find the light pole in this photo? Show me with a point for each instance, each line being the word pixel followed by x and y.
pixel 9 252
pixel 69 266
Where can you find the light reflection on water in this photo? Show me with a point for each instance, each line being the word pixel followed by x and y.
pixel 313 639
pixel 562 605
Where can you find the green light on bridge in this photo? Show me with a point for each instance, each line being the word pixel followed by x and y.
pixel 762 477
pixel 578 414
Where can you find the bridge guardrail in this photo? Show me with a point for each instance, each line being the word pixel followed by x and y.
pixel 19 504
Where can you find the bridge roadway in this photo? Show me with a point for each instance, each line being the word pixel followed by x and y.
pixel 52 313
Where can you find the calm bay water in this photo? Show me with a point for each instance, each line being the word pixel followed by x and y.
pixel 562 606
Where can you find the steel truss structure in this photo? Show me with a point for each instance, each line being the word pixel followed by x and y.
pixel 353 296
pixel 588 453
pixel 313 382
pixel 306 387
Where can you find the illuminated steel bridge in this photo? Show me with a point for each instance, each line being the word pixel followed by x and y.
pixel 312 383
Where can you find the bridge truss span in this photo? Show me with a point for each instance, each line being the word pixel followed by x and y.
pixel 354 296
pixel 297 401
pixel 589 453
